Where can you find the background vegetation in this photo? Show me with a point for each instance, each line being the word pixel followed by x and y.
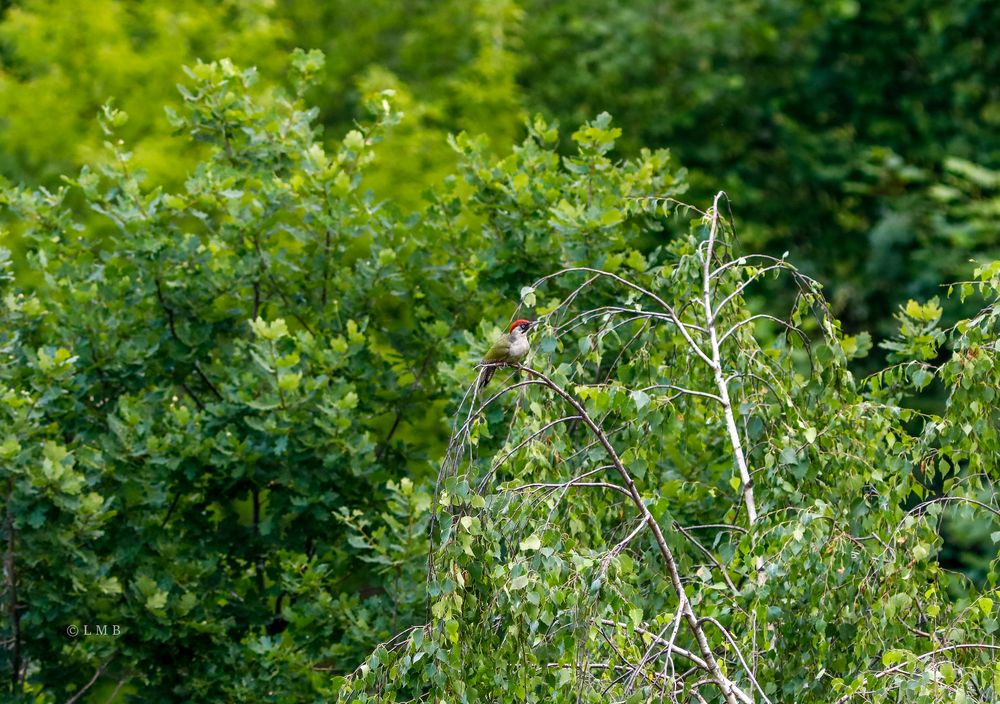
pixel 243 303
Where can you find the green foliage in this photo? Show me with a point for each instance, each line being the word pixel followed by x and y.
pixel 62 60
pixel 452 66
pixel 216 392
pixel 828 122
pixel 839 127
pixel 822 576
pixel 234 345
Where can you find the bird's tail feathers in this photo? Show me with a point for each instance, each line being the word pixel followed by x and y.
pixel 485 375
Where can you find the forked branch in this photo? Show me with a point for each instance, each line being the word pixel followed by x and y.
pixel 730 691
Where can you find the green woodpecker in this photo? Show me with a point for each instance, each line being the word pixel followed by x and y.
pixel 509 349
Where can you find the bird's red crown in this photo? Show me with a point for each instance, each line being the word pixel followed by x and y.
pixel 518 322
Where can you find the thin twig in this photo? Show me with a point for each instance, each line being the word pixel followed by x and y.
pixel 97 674
pixel 730 691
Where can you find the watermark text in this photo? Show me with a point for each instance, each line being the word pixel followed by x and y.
pixel 109 630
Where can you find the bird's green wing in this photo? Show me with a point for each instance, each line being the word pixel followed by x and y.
pixel 499 351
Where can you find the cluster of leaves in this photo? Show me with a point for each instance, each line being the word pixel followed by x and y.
pixel 801 111
pixel 222 403
pixel 224 389
pixel 941 218
pixel 677 504
pixel 60 61
pixel 833 124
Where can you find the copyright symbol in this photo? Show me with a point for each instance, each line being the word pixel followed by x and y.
pixel 72 631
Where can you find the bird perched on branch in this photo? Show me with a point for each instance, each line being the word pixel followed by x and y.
pixel 509 349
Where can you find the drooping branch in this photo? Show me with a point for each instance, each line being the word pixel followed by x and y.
pixel 671 313
pixel 556 486
pixel 636 313
pixel 762 316
pixel 743 286
pixel 732 641
pixel 659 640
pixel 681 391
pixel 720 568
pixel 452 458
pixel 712 357
pixel 899 669
pixel 498 463
pixel 730 691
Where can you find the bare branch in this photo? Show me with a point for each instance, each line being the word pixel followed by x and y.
pixel 730 691
pixel 762 316
pixel 683 391
pixel 716 365
pixel 742 287
pixel 97 674
pixel 566 485
pixel 682 327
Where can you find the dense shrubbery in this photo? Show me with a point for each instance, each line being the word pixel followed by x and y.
pixel 236 348
pixel 223 403
pixel 834 124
